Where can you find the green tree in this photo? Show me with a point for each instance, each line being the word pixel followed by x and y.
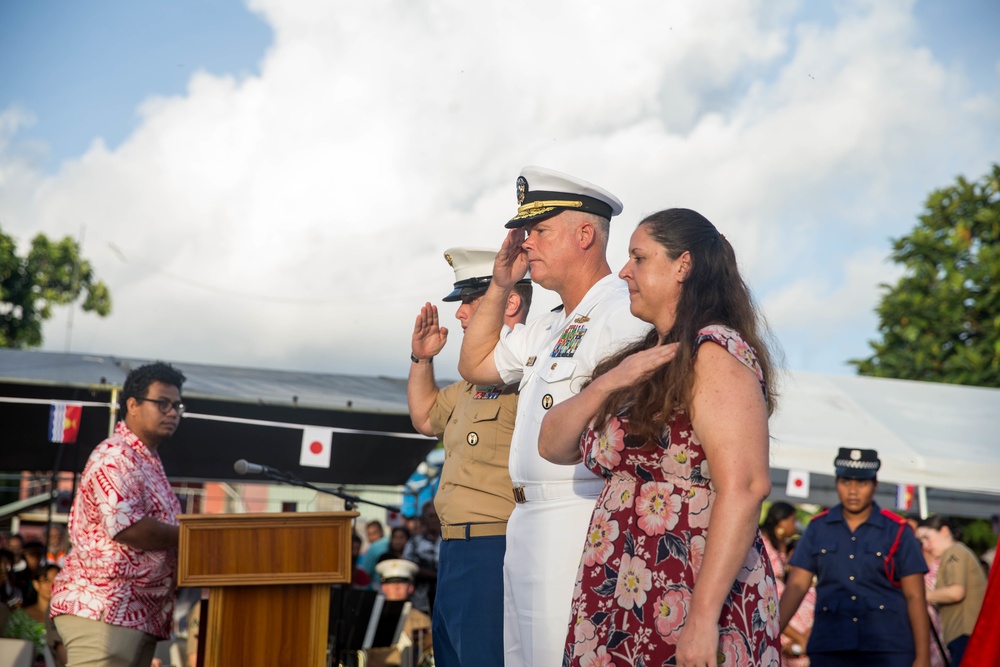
pixel 51 274
pixel 941 321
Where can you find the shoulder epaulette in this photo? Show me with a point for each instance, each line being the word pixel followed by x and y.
pixel 892 516
pixel 823 513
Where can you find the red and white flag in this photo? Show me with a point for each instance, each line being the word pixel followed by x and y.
pixel 316 444
pixel 904 496
pixel 64 421
pixel 798 484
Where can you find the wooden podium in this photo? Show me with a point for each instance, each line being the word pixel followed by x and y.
pixel 269 578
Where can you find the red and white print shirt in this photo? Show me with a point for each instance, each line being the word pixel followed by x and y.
pixel 105 580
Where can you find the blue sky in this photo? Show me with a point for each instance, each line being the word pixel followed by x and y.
pixel 82 68
pixel 274 185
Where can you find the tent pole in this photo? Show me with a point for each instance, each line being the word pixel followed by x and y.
pixel 922 500
pixel 113 411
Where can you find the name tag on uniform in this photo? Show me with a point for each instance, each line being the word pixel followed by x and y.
pixel 487 394
pixel 569 341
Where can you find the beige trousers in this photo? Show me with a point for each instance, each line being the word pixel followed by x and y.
pixel 96 644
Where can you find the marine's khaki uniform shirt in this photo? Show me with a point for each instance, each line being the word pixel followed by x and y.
pixel 960 566
pixel 475 423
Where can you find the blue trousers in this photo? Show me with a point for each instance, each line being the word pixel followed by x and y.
pixel 468 608
pixel 956 647
pixel 860 658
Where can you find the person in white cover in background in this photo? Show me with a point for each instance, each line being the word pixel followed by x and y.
pixel 561 232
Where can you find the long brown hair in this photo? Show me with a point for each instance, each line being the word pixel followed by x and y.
pixel 712 293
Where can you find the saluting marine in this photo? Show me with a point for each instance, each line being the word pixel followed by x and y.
pixel 474 498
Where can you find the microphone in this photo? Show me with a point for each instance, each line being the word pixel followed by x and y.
pixel 244 467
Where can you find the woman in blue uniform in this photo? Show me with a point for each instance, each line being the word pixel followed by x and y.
pixel 870 606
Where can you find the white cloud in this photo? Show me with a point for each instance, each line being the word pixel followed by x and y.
pixel 816 311
pixel 298 217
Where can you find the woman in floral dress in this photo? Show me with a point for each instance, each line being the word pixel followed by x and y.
pixel 673 570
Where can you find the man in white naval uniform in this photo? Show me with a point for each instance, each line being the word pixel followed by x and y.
pixel 561 232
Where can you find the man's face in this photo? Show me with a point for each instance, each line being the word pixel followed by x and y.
pixel 56 536
pixel 470 304
pixel 856 495
pixel 397 541
pixel 15 545
pixel 33 559
pixel 550 246
pixel 397 591
pixel 146 419
pixel 430 518
pixel 43 585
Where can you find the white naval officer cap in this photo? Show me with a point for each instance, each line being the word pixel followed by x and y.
pixel 396 569
pixel 473 271
pixel 543 193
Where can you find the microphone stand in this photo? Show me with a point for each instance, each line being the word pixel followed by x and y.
pixel 350 501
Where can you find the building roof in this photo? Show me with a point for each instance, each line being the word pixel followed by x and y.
pixel 251 385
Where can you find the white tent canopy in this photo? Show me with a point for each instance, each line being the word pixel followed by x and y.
pixel 928 434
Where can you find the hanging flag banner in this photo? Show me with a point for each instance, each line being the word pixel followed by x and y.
pixel 905 493
pixel 64 422
pixel 798 484
pixel 316 444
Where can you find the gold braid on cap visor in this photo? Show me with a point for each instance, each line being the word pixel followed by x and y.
pixel 539 207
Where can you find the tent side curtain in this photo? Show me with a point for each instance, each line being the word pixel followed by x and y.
pixel 366 447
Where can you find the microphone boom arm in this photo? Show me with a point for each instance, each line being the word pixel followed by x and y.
pixel 350 501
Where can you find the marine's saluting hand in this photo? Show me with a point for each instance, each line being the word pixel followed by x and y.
pixel 429 336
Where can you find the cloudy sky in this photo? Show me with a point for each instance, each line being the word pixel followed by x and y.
pixel 272 183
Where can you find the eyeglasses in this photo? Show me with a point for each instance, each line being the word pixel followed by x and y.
pixel 164 405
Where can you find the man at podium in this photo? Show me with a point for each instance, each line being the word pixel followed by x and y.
pixel 115 597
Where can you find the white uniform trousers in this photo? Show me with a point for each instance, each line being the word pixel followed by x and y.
pixel 545 542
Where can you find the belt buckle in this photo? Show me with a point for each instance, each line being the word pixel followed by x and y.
pixel 519 495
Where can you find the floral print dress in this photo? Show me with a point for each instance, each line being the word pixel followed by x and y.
pixel 645 547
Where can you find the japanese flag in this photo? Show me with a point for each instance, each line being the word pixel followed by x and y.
pixel 316 443
pixel 798 484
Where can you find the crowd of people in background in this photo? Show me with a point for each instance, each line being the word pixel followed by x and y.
pixel 26 580
pixel 27 570
pixel 421 549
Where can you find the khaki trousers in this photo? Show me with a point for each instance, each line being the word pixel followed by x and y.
pixel 96 644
